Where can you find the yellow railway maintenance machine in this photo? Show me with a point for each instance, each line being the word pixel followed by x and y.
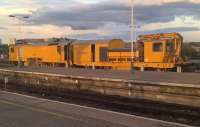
pixel 107 54
pixel 160 51
pixel 39 53
pixel 151 52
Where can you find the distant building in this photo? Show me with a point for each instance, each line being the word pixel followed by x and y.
pixel 195 46
pixel 197 49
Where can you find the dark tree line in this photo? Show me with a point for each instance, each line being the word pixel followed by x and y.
pixel 190 52
pixel 3 49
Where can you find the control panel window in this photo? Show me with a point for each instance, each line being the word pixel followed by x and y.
pixel 157 47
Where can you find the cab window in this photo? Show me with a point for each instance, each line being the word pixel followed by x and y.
pixel 157 47
pixel 170 47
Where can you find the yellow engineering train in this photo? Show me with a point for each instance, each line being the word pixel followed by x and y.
pixel 151 52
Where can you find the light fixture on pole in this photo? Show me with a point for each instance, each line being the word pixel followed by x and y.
pixel 20 23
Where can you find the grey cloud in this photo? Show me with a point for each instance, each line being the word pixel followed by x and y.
pixel 179 29
pixel 101 14
pixel 90 18
pixel 169 30
pixel 3 28
pixel 96 15
pixel 166 12
pixel 126 34
pixel 123 35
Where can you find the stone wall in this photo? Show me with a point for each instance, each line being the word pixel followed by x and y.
pixel 185 94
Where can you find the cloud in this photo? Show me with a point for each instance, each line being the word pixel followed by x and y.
pixel 109 18
pixel 85 18
pixel 2 28
pixel 56 31
pixel 150 2
pixel 178 22
pixel 109 30
pixel 95 15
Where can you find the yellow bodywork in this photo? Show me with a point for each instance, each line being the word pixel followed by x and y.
pixel 81 54
pixel 153 56
pixel 97 54
pixel 44 54
pixel 158 51
pixel 84 56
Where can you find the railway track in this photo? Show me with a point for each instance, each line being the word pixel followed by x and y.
pixel 162 111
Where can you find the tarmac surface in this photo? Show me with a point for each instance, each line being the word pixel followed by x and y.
pixel 167 77
pixel 18 110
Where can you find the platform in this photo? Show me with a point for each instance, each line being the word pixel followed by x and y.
pixel 176 88
pixel 21 111
pixel 167 77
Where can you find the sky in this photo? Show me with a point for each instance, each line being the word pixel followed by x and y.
pixel 98 19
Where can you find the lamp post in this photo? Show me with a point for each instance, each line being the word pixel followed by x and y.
pixel 132 27
pixel 20 22
pixel 19 18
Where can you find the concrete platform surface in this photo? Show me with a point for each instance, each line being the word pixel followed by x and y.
pixel 169 77
pixel 18 110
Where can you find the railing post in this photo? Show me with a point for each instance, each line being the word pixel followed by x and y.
pixel 5 83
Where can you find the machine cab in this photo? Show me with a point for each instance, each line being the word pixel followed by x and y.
pixel 160 48
pixel 159 51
